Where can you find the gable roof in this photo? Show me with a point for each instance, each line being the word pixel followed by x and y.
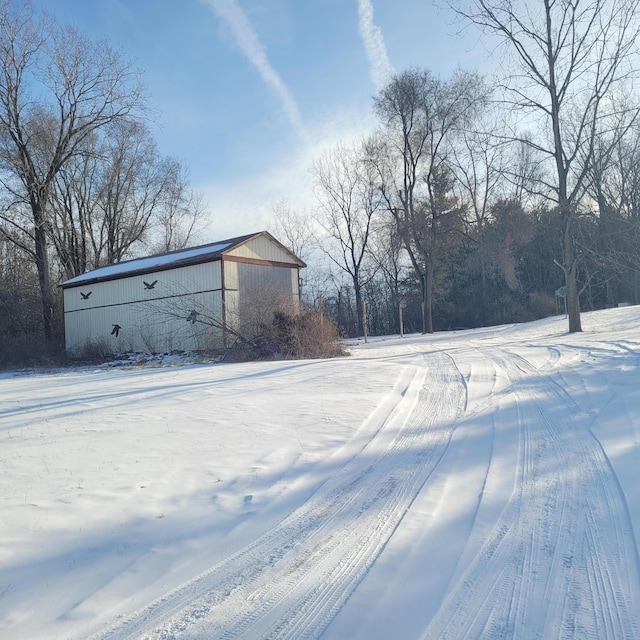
pixel 170 260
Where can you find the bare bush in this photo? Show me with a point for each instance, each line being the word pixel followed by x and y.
pixel 304 335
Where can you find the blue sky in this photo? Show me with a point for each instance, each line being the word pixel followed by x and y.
pixel 248 91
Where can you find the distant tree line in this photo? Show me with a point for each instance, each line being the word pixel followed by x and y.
pixel 81 179
pixel 478 203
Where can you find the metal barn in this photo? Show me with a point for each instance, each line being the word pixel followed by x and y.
pixel 192 299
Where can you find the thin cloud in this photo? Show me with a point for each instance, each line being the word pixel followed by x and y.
pixel 250 44
pixel 381 69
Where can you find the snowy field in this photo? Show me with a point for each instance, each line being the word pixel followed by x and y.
pixel 473 484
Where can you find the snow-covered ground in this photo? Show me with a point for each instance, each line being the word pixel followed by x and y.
pixel 473 484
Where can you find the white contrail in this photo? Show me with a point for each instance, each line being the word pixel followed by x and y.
pixel 381 69
pixel 249 42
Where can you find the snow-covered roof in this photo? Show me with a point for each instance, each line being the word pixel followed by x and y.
pixel 171 260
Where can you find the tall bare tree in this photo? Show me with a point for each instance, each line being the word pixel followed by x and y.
pixel 347 192
pixel 115 192
pixel 614 185
pixel 570 57
pixel 56 89
pixel 478 164
pixel 134 182
pixel 421 115
pixel 72 216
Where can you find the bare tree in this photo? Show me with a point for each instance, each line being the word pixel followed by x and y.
pixel 422 114
pixel 73 215
pixel 294 228
pixel 180 218
pixel 115 192
pixel 479 164
pixel 387 251
pixel 56 89
pixel 614 186
pixel 134 183
pixel 349 199
pixel 524 171
pixel 570 56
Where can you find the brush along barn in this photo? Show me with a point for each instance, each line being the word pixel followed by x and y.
pixel 192 299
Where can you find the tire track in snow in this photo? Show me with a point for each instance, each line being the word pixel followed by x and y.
pixel 558 547
pixel 292 581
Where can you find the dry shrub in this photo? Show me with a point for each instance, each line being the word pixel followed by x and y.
pixel 295 336
pixel 95 351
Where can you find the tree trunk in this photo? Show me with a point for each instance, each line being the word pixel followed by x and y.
pixel 428 315
pixel 606 246
pixel 571 279
pixel 44 280
pixel 483 278
pixel 358 296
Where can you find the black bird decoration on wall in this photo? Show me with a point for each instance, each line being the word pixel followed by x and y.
pixel 149 286
pixel 85 296
pixel 116 330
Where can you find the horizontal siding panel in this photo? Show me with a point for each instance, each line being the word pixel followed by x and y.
pixel 154 326
pixel 261 248
pixel 202 277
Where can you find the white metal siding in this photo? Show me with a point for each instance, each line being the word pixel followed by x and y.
pixel 148 327
pixel 295 286
pixel 150 319
pixel 254 278
pixel 231 295
pixel 201 277
pixel 264 289
pixel 261 248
